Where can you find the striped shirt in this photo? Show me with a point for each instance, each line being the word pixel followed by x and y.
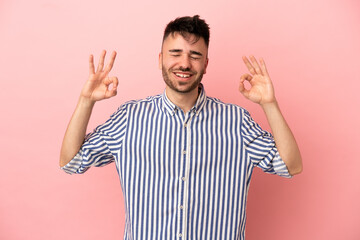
pixel 183 175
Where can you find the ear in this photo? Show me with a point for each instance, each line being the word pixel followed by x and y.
pixel 206 64
pixel 160 61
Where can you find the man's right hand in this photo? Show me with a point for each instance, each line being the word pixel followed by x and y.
pixel 99 83
pixel 96 88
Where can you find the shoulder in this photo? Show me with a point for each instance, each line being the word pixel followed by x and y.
pixel 213 102
pixel 138 104
pixel 134 103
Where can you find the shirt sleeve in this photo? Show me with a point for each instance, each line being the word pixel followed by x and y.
pixel 260 148
pixel 100 146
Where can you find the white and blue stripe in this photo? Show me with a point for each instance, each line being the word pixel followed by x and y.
pixel 183 176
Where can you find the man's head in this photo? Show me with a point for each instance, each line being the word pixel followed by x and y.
pixel 186 26
pixel 184 54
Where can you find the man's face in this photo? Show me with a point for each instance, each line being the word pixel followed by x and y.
pixel 183 62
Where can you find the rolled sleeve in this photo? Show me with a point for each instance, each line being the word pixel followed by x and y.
pixel 74 166
pixel 261 149
pixel 100 146
pixel 93 152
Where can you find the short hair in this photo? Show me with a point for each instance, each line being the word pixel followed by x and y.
pixel 185 25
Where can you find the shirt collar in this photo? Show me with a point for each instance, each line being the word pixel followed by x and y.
pixel 171 108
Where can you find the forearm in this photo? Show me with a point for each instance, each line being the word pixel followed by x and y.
pixel 284 139
pixel 76 130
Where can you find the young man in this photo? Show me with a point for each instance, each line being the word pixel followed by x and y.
pixel 184 159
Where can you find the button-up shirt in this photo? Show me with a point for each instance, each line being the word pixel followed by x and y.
pixel 183 175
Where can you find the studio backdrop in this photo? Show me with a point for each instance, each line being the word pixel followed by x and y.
pixel 312 51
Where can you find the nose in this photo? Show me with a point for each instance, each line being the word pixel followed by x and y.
pixel 185 63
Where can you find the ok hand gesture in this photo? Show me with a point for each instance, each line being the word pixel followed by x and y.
pixel 261 90
pixel 97 86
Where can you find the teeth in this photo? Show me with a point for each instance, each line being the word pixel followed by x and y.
pixel 182 75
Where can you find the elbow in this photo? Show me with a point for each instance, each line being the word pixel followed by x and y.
pixel 296 168
pixel 65 157
pixel 63 161
pixel 295 171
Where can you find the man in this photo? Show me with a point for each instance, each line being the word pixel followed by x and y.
pixel 184 159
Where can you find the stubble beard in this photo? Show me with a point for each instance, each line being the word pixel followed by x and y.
pixel 171 84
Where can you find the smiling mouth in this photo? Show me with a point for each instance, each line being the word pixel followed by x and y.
pixel 182 75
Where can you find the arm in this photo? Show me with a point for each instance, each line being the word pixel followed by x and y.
pixel 96 88
pixel 262 92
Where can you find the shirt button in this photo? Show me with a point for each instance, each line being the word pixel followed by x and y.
pixel 183 178
pixel 184 152
pixel 180 235
pixel 185 125
pixel 181 206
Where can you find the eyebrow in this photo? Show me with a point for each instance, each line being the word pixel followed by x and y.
pixel 180 50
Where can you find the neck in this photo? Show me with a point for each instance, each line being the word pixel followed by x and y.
pixel 185 101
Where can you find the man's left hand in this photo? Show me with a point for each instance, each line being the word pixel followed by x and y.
pixel 261 90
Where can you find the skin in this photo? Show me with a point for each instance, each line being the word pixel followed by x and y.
pixel 262 93
pixel 95 89
pixel 189 58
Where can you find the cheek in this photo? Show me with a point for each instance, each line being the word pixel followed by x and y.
pixel 200 66
pixel 168 64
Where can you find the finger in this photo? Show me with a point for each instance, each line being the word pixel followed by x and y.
pixel 113 91
pixel 115 82
pixel 263 67
pixel 111 81
pixel 248 65
pixel 91 64
pixel 107 81
pixel 101 61
pixel 245 77
pixel 256 65
pixel 242 89
pixel 111 63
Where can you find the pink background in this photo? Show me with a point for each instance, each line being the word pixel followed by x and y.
pixel 312 51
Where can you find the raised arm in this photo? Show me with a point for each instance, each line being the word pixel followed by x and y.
pixel 262 92
pixel 96 88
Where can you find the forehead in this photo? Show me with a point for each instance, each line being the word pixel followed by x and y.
pixel 190 42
